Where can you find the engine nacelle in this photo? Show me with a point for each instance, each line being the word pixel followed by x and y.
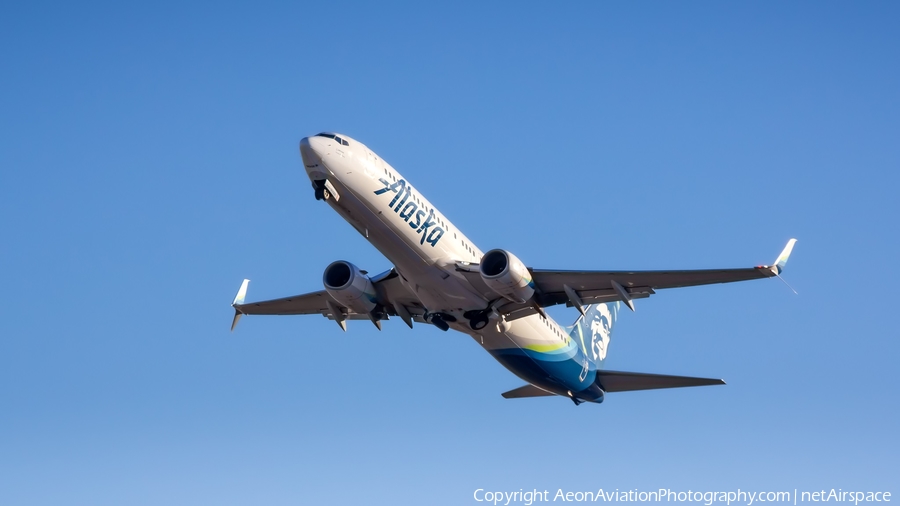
pixel 349 286
pixel 505 274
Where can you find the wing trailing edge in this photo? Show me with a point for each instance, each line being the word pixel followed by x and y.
pixel 391 292
pixel 581 288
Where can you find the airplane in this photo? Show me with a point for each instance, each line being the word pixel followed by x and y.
pixel 442 278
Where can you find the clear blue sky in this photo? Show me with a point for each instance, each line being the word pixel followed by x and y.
pixel 149 162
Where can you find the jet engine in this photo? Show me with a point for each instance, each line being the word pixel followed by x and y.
pixel 505 274
pixel 351 288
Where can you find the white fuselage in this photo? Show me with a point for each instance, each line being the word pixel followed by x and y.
pixel 424 247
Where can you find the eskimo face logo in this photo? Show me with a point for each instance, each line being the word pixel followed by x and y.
pixel 410 212
pixel 600 331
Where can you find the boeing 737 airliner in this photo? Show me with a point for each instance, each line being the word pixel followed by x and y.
pixel 440 277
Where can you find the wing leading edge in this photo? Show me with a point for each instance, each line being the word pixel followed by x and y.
pixel 390 291
pixel 575 288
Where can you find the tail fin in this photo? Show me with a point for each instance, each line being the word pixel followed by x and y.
pixel 593 331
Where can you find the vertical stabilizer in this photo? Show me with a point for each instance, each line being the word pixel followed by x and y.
pixel 593 331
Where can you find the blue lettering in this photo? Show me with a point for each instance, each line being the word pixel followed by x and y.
pixel 397 188
pixel 428 222
pixel 418 222
pixel 403 200
pixel 435 236
pixel 408 211
pixel 387 186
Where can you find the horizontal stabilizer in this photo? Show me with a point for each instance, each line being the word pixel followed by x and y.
pixel 616 381
pixel 526 391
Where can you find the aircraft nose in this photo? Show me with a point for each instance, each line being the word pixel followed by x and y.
pixel 306 149
pixel 313 151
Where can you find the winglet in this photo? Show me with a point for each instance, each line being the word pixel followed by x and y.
pixel 239 298
pixel 237 316
pixel 783 257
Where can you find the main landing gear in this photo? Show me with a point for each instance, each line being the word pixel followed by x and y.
pixel 440 320
pixel 477 319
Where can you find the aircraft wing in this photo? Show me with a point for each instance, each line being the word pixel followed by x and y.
pixel 576 288
pixel 307 303
pixel 598 286
pixel 390 292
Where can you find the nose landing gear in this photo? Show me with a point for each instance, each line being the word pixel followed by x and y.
pixel 321 192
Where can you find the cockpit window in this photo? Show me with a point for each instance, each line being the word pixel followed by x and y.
pixel 332 136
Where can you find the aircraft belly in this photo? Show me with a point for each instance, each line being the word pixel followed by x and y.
pixel 534 353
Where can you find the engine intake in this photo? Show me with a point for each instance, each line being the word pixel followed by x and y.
pixel 506 275
pixel 351 288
